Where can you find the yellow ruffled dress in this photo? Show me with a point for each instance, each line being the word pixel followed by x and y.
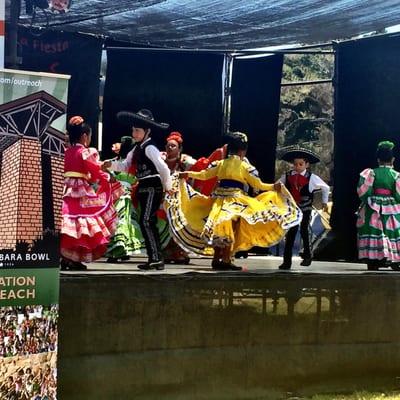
pixel 229 216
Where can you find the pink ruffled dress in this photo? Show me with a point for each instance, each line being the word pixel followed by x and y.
pixel 88 215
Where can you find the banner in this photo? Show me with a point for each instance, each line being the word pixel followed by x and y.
pixel 32 125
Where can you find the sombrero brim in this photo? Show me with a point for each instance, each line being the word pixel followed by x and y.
pixel 290 155
pixel 129 118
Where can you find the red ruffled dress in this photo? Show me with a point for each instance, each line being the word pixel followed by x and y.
pixel 88 216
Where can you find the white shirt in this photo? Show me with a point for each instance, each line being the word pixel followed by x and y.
pixel 154 155
pixel 316 183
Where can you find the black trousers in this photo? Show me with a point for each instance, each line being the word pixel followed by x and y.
pixel 150 199
pixel 291 236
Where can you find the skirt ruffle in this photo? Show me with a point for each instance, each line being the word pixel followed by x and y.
pixel 199 222
pixel 127 239
pixel 88 222
pixel 76 188
pixel 378 226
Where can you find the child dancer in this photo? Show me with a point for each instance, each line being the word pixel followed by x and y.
pixel 127 239
pixel 229 221
pixel 379 213
pixel 153 177
pixel 302 184
pixel 88 216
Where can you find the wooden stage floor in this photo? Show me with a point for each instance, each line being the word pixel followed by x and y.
pixel 254 264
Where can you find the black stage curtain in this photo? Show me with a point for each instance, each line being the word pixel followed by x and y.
pixel 255 108
pixel 72 54
pixel 183 89
pixel 367 111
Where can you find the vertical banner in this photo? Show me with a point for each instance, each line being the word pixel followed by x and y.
pixel 32 124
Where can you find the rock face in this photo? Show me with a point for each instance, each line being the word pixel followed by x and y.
pixel 306 114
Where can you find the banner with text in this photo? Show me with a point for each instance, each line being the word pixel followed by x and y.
pixel 33 110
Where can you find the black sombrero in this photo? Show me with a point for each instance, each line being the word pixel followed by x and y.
pixel 143 117
pixel 289 153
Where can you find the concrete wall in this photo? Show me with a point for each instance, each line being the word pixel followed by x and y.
pixel 136 337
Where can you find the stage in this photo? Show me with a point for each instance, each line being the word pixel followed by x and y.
pixel 254 264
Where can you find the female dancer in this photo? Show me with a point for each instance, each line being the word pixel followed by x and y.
pixel 229 220
pixel 379 213
pixel 176 161
pixel 88 216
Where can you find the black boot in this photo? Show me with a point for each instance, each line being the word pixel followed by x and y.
pixel 145 266
pixel 159 265
pixel 69 265
pixel 306 262
pixel 240 254
pixel 233 267
pixel 219 265
pixel 285 266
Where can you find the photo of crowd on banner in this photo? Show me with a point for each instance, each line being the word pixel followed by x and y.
pixel 28 348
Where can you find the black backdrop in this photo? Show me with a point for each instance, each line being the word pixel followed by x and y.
pixel 255 108
pixel 183 89
pixel 67 53
pixel 367 110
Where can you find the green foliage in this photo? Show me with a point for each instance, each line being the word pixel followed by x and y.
pixel 307 67
pixel 306 111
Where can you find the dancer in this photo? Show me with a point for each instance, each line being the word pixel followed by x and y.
pixel 174 156
pixel 127 239
pixel 229 220
pixel 176 161
pixel 88 216
pixel 302 184
pixel 378 219
pixel 153 177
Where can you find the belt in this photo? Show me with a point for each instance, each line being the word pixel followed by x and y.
pixel 73 174
pixel 231 183
pixel 383 192
pixel 141 178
